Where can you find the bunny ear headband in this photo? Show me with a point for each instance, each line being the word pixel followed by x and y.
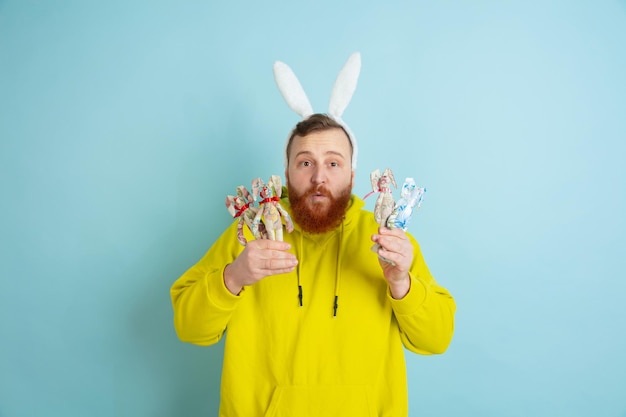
pixel 340 97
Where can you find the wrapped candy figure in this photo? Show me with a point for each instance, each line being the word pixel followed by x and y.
pixel 387 212
pixel 241 206
pixel 411 196
pixel 384 203
pixel 270 209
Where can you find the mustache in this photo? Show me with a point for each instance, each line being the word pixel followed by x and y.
pixel 319 189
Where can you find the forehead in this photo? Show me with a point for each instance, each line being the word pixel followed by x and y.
pixel 322 142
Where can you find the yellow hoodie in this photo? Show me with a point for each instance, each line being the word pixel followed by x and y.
pixel 340 353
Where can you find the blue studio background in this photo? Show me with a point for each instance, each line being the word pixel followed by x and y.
pixel 123 125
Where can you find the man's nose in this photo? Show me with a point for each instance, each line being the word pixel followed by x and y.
pixel 319 176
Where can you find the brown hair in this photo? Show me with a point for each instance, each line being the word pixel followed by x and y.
pixel 313 123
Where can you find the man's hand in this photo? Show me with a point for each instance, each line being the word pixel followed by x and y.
pixel 395 246
pixel 259 259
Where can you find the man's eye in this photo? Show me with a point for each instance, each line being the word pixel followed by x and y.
pixel 334 164
pixel 306 164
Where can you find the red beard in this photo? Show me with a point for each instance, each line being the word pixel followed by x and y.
pixel 318 218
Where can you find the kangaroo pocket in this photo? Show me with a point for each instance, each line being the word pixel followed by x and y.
pixel 318 401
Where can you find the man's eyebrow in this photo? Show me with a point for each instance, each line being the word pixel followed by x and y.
pixel 335 153
pixel 303 153
pixel 326 153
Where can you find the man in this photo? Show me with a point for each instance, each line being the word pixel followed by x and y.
pixel 316 323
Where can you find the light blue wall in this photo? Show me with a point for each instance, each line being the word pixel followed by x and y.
pixel 123 124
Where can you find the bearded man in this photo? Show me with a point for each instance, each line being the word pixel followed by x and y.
pixel 315 325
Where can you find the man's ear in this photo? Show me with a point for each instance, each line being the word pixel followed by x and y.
pixel 352 179
pixel 287 174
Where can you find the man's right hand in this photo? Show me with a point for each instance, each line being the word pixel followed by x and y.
pixel 259 259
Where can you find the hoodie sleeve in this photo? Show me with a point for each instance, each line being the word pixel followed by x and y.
pixel 202 304
pixel 426 314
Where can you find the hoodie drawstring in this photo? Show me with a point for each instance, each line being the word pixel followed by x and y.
pixel 298 270
pixel 337 271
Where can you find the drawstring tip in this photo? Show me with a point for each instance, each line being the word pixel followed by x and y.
pixel 335 306
pixel 300 294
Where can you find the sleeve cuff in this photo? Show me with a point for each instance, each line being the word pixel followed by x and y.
pixel 412 300
pixel 217 292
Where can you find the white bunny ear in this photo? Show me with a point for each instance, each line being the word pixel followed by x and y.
pixel 344 86
pixel 292 91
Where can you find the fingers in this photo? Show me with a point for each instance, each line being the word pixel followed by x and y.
pixel 272 261
pixel 280 265
pixel 270 244
pixel 396 247
pixel 271 256
pixel 262 258
pixel 392 232
pixel 393 240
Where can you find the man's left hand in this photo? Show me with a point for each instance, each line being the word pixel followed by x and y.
pixel 396 247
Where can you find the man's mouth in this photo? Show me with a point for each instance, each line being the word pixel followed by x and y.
pixel 318 196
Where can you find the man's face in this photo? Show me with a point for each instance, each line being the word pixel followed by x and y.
pixel 320 178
